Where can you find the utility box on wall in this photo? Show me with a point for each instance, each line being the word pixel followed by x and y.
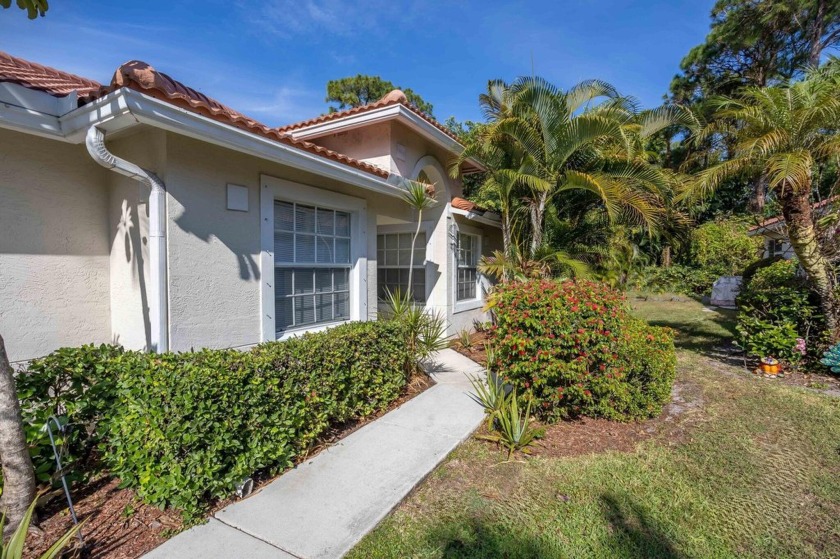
pixel 237 198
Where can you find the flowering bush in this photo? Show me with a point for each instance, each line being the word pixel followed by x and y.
pixel 574 345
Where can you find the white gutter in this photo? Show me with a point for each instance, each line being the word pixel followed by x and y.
pixel 158 316
pixel 488 218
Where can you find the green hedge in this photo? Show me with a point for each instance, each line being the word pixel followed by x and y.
pixel 184 428
pixel 574 346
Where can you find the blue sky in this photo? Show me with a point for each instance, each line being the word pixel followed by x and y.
pixel 271 59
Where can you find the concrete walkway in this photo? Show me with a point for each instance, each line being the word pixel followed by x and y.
pixel 322 508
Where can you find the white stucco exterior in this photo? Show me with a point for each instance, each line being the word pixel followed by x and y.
pixel 54 247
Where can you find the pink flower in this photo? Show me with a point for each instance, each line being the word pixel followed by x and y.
pixel 800 346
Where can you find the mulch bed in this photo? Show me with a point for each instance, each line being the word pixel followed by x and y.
pixel 588 435
pixel 117 525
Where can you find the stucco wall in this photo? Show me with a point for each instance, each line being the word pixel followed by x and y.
pixel 128 223
pixel 371 144
pixel 54 247
pixel 214 253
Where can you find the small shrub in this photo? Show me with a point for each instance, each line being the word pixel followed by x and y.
pixel 490 394
pixel 464 339
pixel 775 310
pixel 425 330
pixel 574 345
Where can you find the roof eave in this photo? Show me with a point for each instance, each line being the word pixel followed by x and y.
pixel 487 218
pixel 126 107
pixel 398 112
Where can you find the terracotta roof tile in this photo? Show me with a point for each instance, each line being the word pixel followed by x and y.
pixel 464 204
pixel 43 78
pixel 395 97
pixel 142 77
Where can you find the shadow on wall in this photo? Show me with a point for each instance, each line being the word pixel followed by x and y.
pixel 128 235
pixel 197 223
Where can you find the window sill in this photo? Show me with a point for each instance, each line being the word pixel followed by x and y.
pixel 468 305
pixel 288 334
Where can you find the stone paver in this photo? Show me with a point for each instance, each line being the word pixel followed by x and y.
pixel 322 508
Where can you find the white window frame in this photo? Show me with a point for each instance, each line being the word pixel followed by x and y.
pixel 478 301
pixel 271 189
pixel 426 227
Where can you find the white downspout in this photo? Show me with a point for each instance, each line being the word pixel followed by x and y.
pixel 158 316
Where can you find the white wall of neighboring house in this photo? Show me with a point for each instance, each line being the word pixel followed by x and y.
pixel 55 246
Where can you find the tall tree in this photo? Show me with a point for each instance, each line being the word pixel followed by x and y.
pixel 361 89
pixel 18 473
pixel 757 43
pixel 784 133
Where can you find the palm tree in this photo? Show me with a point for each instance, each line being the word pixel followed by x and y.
pixel 418 195
pixel 558 142
pixel 18 472
pixel 782 134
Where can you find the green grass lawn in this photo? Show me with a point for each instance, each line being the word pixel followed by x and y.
pixel 756 474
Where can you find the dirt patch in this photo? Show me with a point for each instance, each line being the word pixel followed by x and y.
pixel 592 436
pixel 117 525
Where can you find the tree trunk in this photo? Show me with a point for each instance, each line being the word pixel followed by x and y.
pixel 666 256
pixel 18 472
pixel 506 244
pixel 796 209
pixel 410 287
pixel 537 215
pixel 759 196
pixel 815 39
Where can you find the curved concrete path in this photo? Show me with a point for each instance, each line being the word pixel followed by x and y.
pixel 322 508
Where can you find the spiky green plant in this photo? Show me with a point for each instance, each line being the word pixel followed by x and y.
pixel 418 196
pixel 13 549
pixel 514 431
pixel 425 329
pixel 464 339
pixel 489 393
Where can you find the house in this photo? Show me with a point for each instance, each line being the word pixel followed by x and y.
pixel 774 230
pixel 144 212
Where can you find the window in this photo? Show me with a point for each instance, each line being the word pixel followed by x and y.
pixel 468 249
pixel 775 246
pixel 311 265
pixel 393 258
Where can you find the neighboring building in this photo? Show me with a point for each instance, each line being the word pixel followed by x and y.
pixel 774 230
pixel 148 214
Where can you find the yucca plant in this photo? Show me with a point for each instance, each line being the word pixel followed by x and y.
pixel 514 431
pixel 464 339
pixel 13 549
pixel 425 329
pixel 490 394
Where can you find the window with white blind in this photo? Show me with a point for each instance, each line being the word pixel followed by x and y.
pixel 393 261
pixel 311 265
pixel 467 271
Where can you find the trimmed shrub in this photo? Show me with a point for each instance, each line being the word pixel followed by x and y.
pixel 574 345
pixel 674 279
pixel 776 309
pixel 78 387
pixel 185 428
pixel 723 247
